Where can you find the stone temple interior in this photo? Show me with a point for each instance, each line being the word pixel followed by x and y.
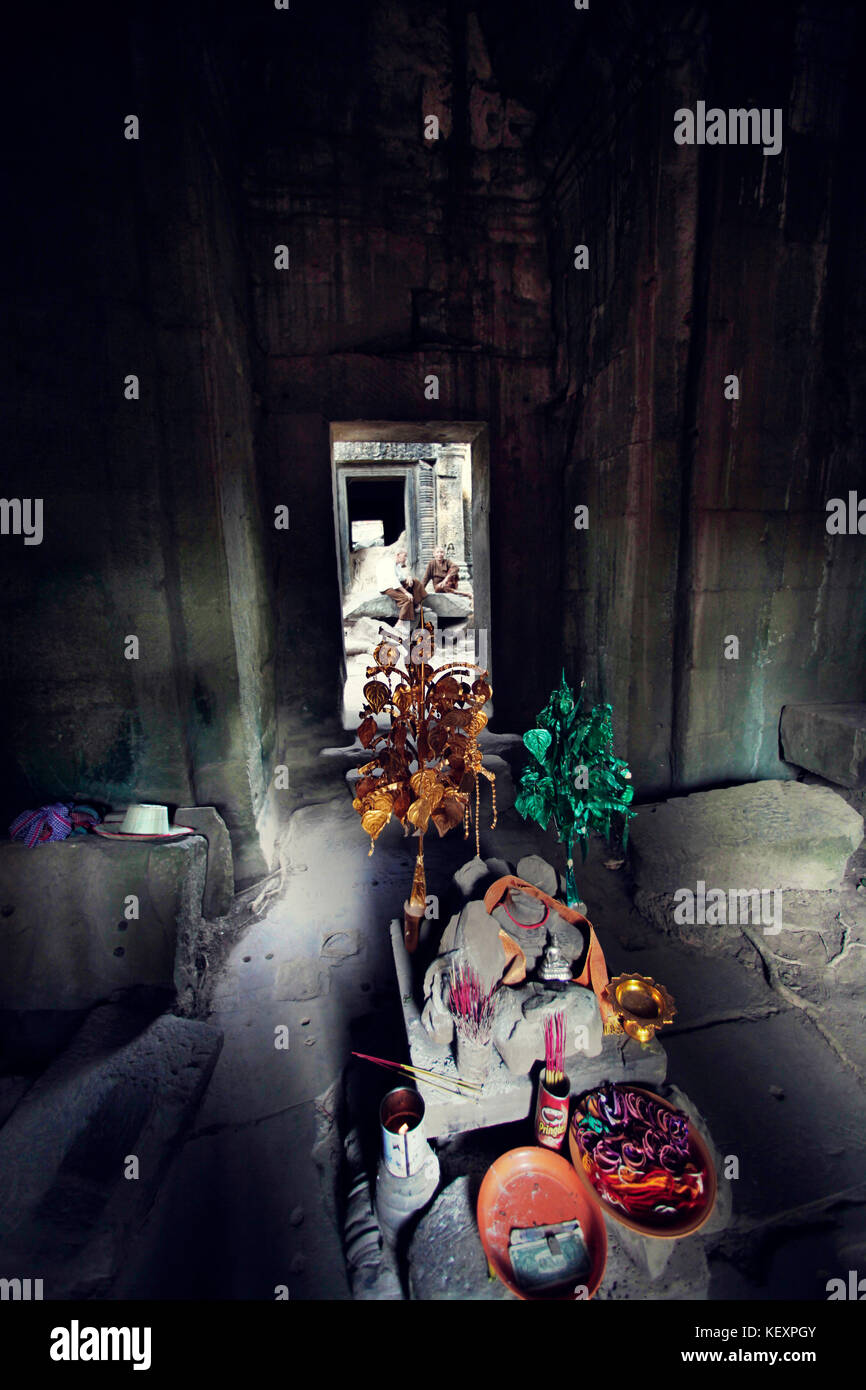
pixel 574 294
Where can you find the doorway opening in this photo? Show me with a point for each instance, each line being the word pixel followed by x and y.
pixel 376 510
pixel 411 502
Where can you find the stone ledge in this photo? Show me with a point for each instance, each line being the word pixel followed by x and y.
pixel 763 835
pixel 829 740
pixel 65 942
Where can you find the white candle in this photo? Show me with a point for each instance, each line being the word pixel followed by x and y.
pixel 404 1130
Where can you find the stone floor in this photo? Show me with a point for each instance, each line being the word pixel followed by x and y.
pixel 249 1203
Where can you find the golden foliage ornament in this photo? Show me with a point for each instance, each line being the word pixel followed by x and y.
pixel 425 767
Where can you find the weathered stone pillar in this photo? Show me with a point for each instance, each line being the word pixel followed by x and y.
pixel 450 533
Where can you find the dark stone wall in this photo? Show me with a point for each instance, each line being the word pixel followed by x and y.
pixel 602 387
pixel 411 257
pixel 707 516
pixel 125 258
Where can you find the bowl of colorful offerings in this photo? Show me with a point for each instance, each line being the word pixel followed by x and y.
pixel 643 1158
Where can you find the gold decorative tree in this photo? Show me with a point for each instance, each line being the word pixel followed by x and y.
pixel 427 764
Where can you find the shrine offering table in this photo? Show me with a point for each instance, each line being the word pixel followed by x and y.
pixel 506 1097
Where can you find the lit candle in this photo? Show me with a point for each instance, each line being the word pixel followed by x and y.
pixel 404 1130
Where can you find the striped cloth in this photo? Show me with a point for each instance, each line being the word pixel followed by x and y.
pixel 54 822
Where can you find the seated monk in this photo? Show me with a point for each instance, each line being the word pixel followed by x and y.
pixel 408 591
pixel 443 574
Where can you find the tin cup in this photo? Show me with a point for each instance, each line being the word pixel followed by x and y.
pixel 551 1111
pixel 404 1144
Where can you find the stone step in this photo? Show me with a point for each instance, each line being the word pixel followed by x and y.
pixel 827 739
pixel 124 1088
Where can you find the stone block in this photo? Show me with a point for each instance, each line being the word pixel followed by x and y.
pixel 447 605
pixel 498 868
pixel 620 1059
pixel 508 1096
pixel 518 1032
pixel 470 877
pixel 535 870
pixel 763 835
pixel 379 606
pixel 370 1262
pixel 123 1086
pixel 219 887
pixel 66 943
pixel 474 877
pixel 438 1021
pixel 477 937
pixel 648 1254
pixel 507 746
pixel 827 739
pixel 383 607
pixel 226 783
pixel 717 940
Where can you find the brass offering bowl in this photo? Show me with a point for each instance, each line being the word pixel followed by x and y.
pixel 641 1005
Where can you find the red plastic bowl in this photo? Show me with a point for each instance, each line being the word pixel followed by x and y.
pixel 536 1187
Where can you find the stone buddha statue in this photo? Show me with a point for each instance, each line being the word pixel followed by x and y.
pixel 505 948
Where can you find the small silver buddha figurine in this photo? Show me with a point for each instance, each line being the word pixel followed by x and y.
pixel 554 969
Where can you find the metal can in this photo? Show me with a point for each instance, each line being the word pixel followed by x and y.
pixel 404 1143
pixel 551 1111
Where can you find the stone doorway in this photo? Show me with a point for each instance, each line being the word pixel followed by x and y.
pixel 422 489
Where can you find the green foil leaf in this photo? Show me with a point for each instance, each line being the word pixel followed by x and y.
pixel 538 742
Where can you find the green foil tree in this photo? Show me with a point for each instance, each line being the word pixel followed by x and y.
pixel 572 779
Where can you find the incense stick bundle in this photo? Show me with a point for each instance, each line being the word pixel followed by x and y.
pixel 454 1084
pixel 554 1048
pixel 472 1006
